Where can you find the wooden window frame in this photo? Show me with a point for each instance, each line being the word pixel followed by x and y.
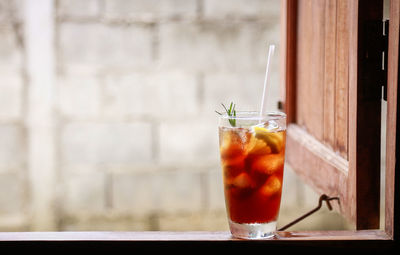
pixel 360 240
pixel 346 162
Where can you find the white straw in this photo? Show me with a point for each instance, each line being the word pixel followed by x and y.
pixel 270 54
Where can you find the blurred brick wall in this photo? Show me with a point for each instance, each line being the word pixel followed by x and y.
pixel 132 117
pixel 13 154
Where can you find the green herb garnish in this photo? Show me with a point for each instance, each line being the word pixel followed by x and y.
pixel 231 113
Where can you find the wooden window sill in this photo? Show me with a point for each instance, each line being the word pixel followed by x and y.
pixel 367 240
pixel 187 236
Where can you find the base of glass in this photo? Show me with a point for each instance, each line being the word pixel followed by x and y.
pixel 253 230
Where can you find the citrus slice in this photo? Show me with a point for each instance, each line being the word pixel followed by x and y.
pixel 273 139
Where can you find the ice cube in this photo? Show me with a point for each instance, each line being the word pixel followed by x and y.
pixel 244 135
pixel 230 145
pixel 241 181
pixel 233 166
pixel 272 186
pixel 268 164
pixel 231 151
pixel 271 125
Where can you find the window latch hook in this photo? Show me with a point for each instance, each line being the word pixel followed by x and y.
pixel 322 198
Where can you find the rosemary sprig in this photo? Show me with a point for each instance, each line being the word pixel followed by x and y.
pixel 231 113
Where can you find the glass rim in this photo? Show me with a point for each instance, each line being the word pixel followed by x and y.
pixel 255 115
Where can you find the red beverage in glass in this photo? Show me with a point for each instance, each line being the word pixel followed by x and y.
pixel 252 159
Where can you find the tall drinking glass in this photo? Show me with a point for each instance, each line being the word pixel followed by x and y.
pixel 252 150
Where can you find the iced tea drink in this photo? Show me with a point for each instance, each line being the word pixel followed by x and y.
pixel 252 150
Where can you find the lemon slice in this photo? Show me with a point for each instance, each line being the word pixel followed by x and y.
pixel 273 139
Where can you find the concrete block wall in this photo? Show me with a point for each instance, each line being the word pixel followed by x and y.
pixel 138 92
pixel 14 197
pixel 135 86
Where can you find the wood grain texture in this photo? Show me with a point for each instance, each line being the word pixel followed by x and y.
pixel 391 208
pixel 310 66
pixel 330 73
pixel 336 80
pixel 342 77
pixel 186 236
pixel 320 167
pixel 352 150
pixel 303 52
pixel 164 242
pixel 288 57
pixel 315 89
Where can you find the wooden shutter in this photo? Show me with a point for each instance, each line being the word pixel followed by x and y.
pixel 332 58
pixel 392 179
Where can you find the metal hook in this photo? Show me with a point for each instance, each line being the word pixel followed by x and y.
pixel 322 198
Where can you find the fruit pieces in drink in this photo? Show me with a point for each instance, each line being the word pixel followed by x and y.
pixel 272 186
pixel 233 151
pixel 252 161
pixel 273 139
pixel 268 164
